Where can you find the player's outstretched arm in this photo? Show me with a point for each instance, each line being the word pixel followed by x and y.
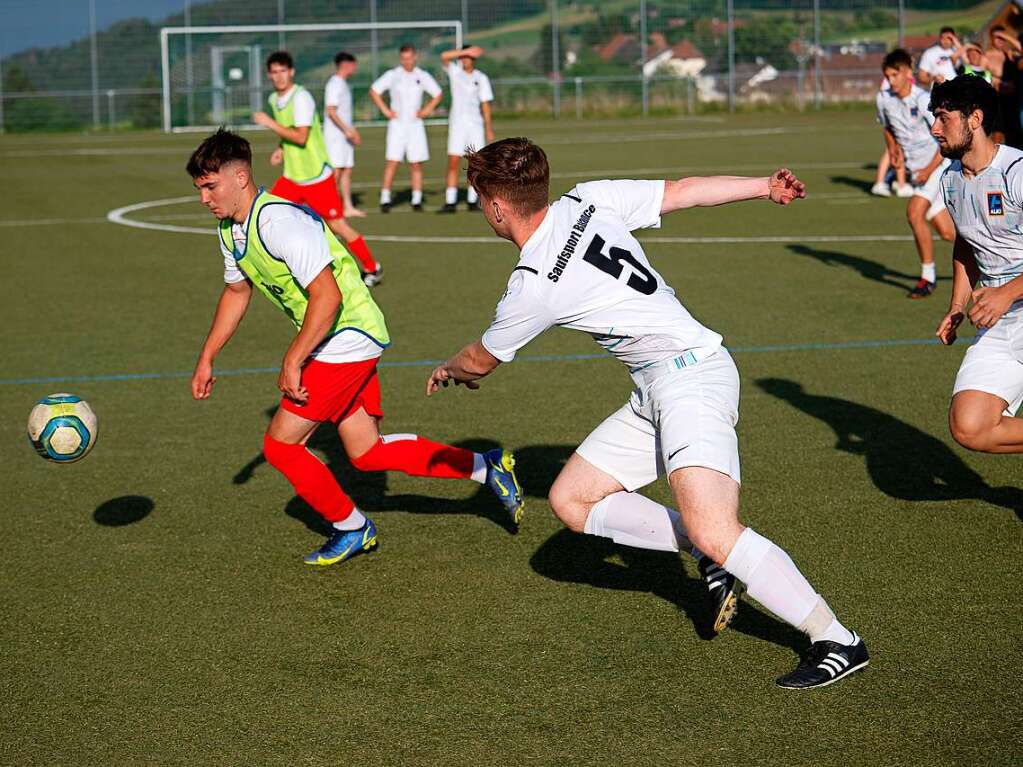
pixel 297 135
pixel 234 301
pixel 467 367
pixel 782 187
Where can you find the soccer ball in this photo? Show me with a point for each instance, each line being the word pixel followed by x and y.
pixel 62 428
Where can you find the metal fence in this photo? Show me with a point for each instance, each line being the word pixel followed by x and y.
pixel 545 57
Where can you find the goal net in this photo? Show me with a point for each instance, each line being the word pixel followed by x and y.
pixel 217 75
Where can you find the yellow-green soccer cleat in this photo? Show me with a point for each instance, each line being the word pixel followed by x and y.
pixel 502 481
pixel 344 544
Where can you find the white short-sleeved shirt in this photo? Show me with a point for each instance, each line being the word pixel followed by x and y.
pixel 305 106
pixel 468 91
pixel 987 210
pixel 582 269
pixel 407 89
pixel 910 120
pixel 293 235
pixel 938 61
pixel 337 94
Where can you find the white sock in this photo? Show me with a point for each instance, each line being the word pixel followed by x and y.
pixel 929 272
pixel 772 578
pixel 470 196
pixel 634 520
pixel 479 468
pixel 353 521
pixel 417 196
pixel 385 196
pixel 451 195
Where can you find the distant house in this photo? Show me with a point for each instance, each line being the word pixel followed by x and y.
pixel 621 47
pixel 680 60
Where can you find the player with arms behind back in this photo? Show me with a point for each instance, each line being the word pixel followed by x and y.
pixel 984 191
pixel 580 267
pixel 329 372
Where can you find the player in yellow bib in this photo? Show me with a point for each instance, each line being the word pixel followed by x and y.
pixel 329 371
pixel 308 176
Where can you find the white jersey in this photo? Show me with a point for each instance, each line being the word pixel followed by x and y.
pixel 583 269
pixel 938 61
pixel 910 120
pixel 987 210
pixel 296 237
pixel 407 89
pixel 468 91
pixel 337 94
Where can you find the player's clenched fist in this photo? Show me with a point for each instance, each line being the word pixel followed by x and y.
pixel 785 187
pixel 202 380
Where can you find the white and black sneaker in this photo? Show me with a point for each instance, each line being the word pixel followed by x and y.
pixel 369 279
pixel 724 591
pixel 825 663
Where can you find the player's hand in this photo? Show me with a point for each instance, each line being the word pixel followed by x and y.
pixel 422 114
pixel 202 380
pixel 290 382
pixel 946 331
pixel 784 187
pixel 989 304
pixel 920 177
pixel 354 137
pixel 441 377
pixel 473 50
pixel 262 118
pixel 896 158
pixel 390 114
pixel 277 156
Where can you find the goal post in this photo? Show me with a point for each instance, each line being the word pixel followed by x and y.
pixel 213 75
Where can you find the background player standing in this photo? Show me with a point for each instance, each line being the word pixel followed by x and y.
pixel 938 63
pixel 984 192
pixel 339 131
pixel 581 268
pixel 308 177
pixel 469 121
pixel 903 113
pixel 329 372
pixel 406 133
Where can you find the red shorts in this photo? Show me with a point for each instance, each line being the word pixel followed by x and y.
pixel 337 389
pixel 321 196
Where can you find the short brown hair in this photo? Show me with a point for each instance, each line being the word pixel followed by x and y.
pixel 514 169
pixel 216 151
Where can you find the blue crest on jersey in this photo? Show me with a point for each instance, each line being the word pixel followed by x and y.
pixel 914 112
pixel 994 204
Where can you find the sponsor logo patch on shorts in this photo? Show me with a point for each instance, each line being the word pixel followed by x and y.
pixel 994 204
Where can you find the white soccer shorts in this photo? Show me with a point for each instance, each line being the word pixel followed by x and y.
pixel 339 150
pixel 683 418
pixel 994 364
pixel 462 136
pixel 931 191
pixel 407 141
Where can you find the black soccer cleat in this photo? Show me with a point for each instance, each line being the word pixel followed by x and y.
pixel 826 663
pixel 417 207
pixel 449 207
pixel 922 289
pixel 385 207
pixel 473 206
pixel 724 591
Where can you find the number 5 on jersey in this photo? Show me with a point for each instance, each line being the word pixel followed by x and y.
pixel 640 278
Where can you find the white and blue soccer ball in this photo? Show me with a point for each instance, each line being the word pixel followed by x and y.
pixel 62 428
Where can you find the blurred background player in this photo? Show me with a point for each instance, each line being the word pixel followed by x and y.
pixel 887 176
pixel 907 123
pixel 406 133
pixel 1001 57
pixel 329 372
pixel 469 120
pixel 339 131
pixel 938 63
pixel 984 192
pixel 308 177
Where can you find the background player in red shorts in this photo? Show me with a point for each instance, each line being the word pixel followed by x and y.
pixel 329 371
pixel 308 176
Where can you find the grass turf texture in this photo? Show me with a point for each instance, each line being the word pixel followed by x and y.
pixel 156 608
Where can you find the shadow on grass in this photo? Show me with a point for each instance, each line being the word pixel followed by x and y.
pixel 870 270
pixel 573 558
pixel 125 510
pixel 902 461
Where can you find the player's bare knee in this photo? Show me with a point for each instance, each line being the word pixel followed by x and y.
pixel 971 430
pixel 569 509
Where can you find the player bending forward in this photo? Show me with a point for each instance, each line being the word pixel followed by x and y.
pixel 581 268
pixel 984 191
pixel 329 371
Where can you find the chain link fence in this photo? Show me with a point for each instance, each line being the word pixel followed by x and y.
pixel 545 57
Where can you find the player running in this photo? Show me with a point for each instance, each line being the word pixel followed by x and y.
pixel 329 371
pixel 983 189
pixel 339 131
pixel 406 133
pixel 906 120
pixel 581 268
pixel 469 121
pixel 308 177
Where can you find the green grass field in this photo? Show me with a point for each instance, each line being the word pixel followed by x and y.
pixel 156 609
